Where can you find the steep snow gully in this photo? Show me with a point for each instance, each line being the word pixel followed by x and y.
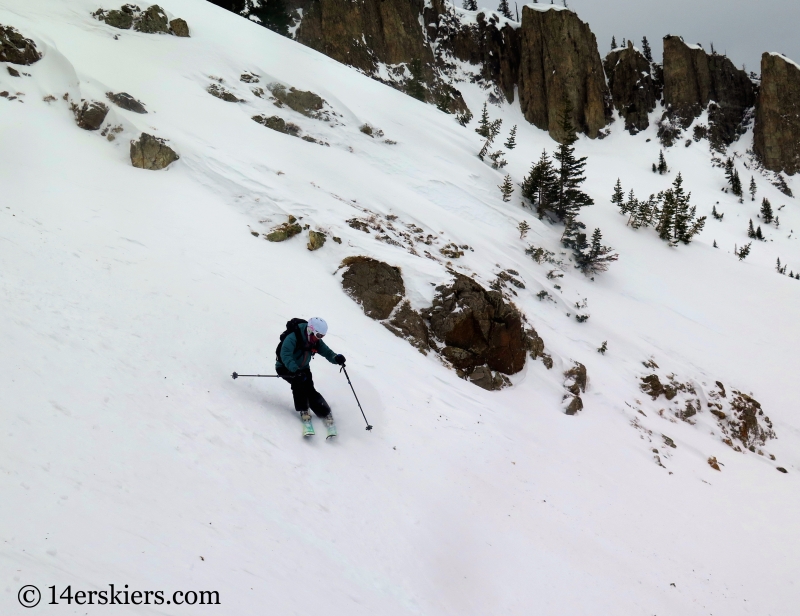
pixel 128 456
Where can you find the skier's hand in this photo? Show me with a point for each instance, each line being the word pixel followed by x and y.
pixel 340 359
pixel 301 376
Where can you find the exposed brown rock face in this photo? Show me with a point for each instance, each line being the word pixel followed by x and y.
pixel 126 101
pixel 15 48
pixel 376 285
pixel 495 50
pixel 179 27
pixel 559 59
pixel 777 129
pixel 151 153
pixel 90 115
pixel 634 89
pixel 478 327
pixel 362 33
pixel 693 79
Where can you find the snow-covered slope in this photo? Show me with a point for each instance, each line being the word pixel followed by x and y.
pixel 129 455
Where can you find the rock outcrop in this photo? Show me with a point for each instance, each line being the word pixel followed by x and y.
pixel 694 80
pixel 377 286
pixel 152 153
pixel 633 85
pixel 316 240
pixel 365 33
pixel 777 127
pixel 90 115
pixel 559 60
pixel 152 20
pixel 126 101
pixel 478 328
pixel 179 27
pixel 17 49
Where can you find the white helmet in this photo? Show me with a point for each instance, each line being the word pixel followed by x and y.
pixel 317 326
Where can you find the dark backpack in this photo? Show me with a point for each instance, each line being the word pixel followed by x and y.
pixel 292 327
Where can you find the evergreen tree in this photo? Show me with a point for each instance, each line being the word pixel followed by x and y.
pixel 618 198
pixel 654 168
pixel 716 214
pixel 504 10
pixel 443 101
pixel 540 186
pixel 511 142
pixel 595 258
pixel 743 251
pixel 613 43
pixel 471 5
pixel 715 244
pixel 464 118
pixel 736 185
pixel 646 51
pixel 759 235
pixel 506 188
pixel 574 236
pixel 483 123
pixel 751 232
pixel 624 42
pixel 630 206
pixel 570 171
pixel 729 170
pixel 271 14
pixel 677 221
pixel 646 213
pixel 752 188
pixel 523 228
pixel 766 211
pixel 415 86
pixel 662 163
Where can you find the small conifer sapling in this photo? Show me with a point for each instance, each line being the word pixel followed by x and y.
pixel 523 228
pixel 511 142
pixel 646 51
pixel 603 348
pixel 766 211
pixel 752 188
pixel 506 188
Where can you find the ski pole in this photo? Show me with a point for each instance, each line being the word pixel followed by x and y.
pixel 269 376
pixel 369 427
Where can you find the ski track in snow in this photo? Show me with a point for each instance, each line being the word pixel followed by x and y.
pixel 128 298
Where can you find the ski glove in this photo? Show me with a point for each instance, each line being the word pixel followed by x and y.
pixel 340 359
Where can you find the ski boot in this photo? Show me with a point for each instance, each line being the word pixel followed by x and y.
pixel 308 428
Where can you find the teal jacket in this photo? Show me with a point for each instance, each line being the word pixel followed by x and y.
pixel 296 357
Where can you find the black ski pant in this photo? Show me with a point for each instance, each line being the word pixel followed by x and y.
pixel 303 391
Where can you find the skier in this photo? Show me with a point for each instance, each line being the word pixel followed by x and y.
pixel 299 343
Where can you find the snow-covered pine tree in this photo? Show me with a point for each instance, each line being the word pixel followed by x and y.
pixel 415 86
pixel 766 211
pixel 677 220
pixel 752 188
pixel 716 214
pixel 662 163
pixel 751 232
pixel 646 213
pixel 743 251
pixel 574 237
pixel 595 258
pixel 540 186
pixel 506 188
pixel 618 198
pixel 630 206
pixel 570 171
pixel 483 123
pixel 729 168
pixel 646 51
pixel 736 185
pixel 613 43
pixel 759 235
pixel 523 228
pixel 471 5
pixel 272 14
pixel 504 10
pixel 511 142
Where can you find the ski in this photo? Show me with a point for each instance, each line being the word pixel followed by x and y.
pixel 308 428
pixel 331 426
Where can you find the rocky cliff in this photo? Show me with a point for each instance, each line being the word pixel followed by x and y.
pixel 694 80
pixel 633 85
pixel 777 128
pixel 364 33
pixel 559 59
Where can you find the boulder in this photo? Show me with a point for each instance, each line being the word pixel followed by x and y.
pixel 576 379
pixel 301 101
pixel 693 80
pixel 316 239
pixel 90 115
pixel 153 20
pixel 13 72
pixel 634 89
pixel 575 405
pixel 17 49
pixel 559 59
pixel 285 231
pixel 152 153
pixel 478 327
pixel 776 137
pixel 126 101
pixel 179 27
pixel 223 94
pixel 377 286
pixel 277 123
pixel 116 19
pixel 492 381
